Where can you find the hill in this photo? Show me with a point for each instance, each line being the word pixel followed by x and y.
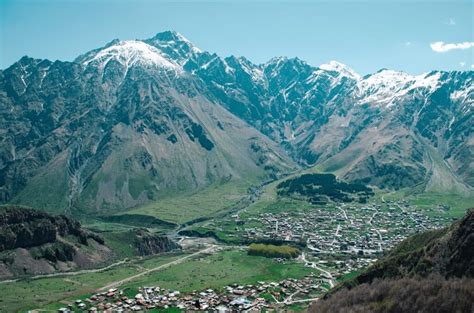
pixel 33 242
pixel 321 188
pixel 429 272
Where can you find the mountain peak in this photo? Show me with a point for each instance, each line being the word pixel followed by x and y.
pixel 130 52
pixel 170 35
pixel 174 45
pixel 335 66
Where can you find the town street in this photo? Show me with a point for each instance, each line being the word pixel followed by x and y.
pixel 313 265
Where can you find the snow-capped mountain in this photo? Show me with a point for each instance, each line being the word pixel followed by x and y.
pixel 128 122
pixel 129 53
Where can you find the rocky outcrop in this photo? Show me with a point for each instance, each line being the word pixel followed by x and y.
pixel 147 243
pixel 34 242
pixel 22 227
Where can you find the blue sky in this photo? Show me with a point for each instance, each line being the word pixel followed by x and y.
pixel 366 35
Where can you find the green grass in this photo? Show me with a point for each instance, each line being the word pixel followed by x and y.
pixel 184 208
pixel 207 271
pixel 348 276
pixel 428 201
pixel 29 294
pixel 47 190
pixel 270 202
pixel 218 270
pixel 120 242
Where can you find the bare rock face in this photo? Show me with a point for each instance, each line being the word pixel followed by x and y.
pixel 147 243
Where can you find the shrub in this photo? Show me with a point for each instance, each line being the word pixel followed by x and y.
pixel 272 251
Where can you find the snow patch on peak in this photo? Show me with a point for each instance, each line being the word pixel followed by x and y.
pixel 130 52
pixel 386 85
pixel 427 80
pixel 276 60
pixel 344 70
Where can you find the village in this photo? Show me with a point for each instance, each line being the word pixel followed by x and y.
pixel 334 241
pixel 262 296
pixel 345 237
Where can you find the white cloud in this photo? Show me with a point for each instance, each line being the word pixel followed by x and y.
pixel 408 43
pixel 441 46
pixel 451 22
pixel 462 64
pixel 472 66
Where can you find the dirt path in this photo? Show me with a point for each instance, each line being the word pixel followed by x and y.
pixel 330 279
pixel 160 267
pixel 94 270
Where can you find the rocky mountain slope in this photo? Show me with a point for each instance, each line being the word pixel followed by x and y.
pixel 420 271
pixel 34 242
pixel 135 120
pixel 119 127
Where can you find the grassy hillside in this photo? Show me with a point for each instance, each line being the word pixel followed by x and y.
pixel 186 207
pixel 434 294
pixel 419 274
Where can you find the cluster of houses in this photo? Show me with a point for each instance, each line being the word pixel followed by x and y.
pixel 262 296
pixel 352 235
pixel 357 234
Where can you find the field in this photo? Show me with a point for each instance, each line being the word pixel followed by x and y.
pixel 457 204
pixel 218 270
pixel 29 294
pixel 206 202
pixel 202 272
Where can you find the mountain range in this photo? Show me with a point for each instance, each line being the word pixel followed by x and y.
pixel 136 120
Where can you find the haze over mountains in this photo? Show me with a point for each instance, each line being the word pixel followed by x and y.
pixel 134 120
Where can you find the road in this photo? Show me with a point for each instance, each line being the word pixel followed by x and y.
pixel 345 215
pixel 337 233
pixel 95 270
pixel 377 231
pixel 115 284
pixel 289 300
pixel 313 265
pixel 411 217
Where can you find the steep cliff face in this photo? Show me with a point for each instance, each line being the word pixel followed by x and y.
pixel 24 228
pixel 33 242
